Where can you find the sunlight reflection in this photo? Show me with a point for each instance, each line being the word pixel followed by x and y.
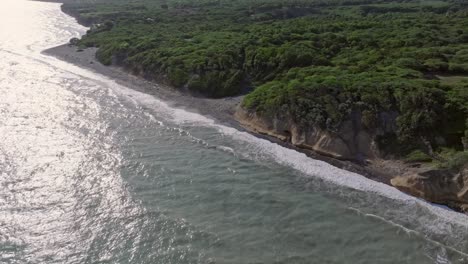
pixel 54 190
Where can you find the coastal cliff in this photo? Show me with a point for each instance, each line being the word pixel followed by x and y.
pixel 449 187
pixel 325 88
pixel 353 142
pixel 350 142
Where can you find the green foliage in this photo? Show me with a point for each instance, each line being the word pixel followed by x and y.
pixel 417 156
pixel 422 111
pixel 456 160
pixel 177 76
pixel 317 61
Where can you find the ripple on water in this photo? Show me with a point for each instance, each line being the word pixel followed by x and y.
pixel 92 172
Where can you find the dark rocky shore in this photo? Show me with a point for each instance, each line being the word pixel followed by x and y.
pixel 221 110
pixel 224 112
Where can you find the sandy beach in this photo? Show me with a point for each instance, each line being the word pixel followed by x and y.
pixel 221 110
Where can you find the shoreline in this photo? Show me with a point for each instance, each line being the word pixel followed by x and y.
pixel 412 178
pixel 221 110
pixel 218 109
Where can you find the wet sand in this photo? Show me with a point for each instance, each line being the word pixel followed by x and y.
pixel 220 110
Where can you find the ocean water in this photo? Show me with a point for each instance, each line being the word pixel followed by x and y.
pixel 94 172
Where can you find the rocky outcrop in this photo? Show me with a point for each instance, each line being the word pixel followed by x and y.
pixel 74 41
pixel 438 186
pixel 350 142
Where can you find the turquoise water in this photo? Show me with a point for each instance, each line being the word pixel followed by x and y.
pixel 93 172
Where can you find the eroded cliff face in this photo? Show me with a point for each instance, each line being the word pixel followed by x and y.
pixel 350 142
pixel 353 142
pixel 437 186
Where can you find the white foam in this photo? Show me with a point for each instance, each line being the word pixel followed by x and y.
pixel 299 161
pixel 282 155
pixel 411 231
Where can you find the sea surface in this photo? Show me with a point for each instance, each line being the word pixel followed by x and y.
pixel 94 172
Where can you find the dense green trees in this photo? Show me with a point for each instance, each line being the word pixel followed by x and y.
pixel 317 61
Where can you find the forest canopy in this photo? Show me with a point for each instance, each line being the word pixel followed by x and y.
pixel 316 60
